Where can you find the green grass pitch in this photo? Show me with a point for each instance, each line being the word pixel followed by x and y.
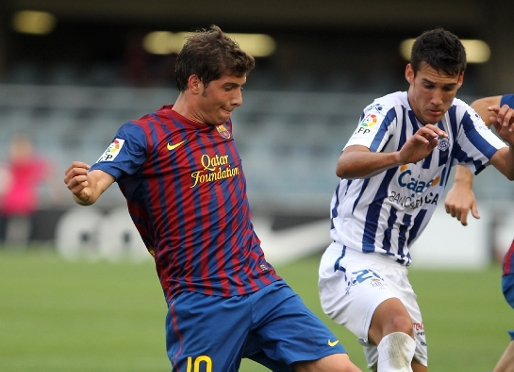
pixel 59 316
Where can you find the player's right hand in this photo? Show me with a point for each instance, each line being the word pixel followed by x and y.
pixel 421 144
pixel 76 179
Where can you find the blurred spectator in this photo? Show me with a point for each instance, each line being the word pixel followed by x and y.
pixel 20 178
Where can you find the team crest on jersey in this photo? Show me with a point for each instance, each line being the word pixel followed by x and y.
pixel 112 151
pixel 223 131
pixel 443 144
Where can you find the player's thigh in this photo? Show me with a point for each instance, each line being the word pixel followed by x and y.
pixel 207 332
pixel 401 287
pixel 350 294
pixel 285 330
pixel 508 288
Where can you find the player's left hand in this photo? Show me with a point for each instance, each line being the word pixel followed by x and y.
pixel 459 201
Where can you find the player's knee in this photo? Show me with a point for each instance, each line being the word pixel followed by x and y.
pixel 390 316
pixel 402 324
pixel 394 323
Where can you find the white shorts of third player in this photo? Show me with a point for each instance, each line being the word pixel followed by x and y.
pixel 351 286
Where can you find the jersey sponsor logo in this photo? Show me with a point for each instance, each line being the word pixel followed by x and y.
pixel 332 343
pixel 416 189
pixel 223 131
pixel 112 151
pixel 215 168
pixel 412 202
pixel 415 185
pixel 368 122
pixel 173 147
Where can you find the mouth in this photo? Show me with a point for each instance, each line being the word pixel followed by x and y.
pixel 435 112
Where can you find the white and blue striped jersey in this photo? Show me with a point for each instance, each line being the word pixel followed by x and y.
pixel 386 213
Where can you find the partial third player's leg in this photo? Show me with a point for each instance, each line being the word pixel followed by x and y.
pixel 506 362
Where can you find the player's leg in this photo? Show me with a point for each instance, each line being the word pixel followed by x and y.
pixel 506 362
pixel 333 363
pixel 391 330
pixel 285 334
pixel 352 288
pixel 397 328
pixel 207 333
pixel 330 363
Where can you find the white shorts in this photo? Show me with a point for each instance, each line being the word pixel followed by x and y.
pixel 351 286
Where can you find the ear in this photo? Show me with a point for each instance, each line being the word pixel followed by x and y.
pixel 409 73
pixel 193 83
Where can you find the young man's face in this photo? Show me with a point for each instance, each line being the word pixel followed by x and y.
pixel 431 93
pixel 219 98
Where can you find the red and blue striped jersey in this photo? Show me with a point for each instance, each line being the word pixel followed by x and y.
pixel 507 99
pixel 508 264
pixel 186 194
pixel 508 268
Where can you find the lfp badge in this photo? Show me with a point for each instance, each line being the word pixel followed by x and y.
pixel 367 123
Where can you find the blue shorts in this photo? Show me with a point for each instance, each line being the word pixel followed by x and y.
pixel 508 288
pixel 271 326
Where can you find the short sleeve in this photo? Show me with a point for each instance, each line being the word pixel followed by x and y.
pixel 126 154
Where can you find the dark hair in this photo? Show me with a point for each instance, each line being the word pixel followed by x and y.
pixel 210 54
pixel 441 50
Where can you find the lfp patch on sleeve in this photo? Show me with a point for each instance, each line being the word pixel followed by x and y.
pixel 112 151
pixel 367 123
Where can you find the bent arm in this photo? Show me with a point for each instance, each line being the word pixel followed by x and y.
pixel 359 162
pixel 460 199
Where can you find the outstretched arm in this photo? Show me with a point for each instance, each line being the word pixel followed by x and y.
pixel 86 186
pixel 359 162
pixel 461 199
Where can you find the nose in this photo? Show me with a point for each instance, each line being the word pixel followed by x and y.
pixel 437 98
pixel 237 98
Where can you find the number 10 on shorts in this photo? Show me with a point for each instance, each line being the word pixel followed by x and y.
pixel 197 362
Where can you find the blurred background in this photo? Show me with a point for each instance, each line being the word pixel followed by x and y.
pixel 77 288
pixel 71 72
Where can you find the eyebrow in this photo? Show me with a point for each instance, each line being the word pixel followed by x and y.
pixel 232 85
pixel 424 80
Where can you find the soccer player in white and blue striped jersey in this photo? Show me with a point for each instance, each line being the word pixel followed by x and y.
pixel 393 172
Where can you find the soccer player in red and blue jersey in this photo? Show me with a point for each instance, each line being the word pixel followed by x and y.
pixel 182 177
pixel 461 200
